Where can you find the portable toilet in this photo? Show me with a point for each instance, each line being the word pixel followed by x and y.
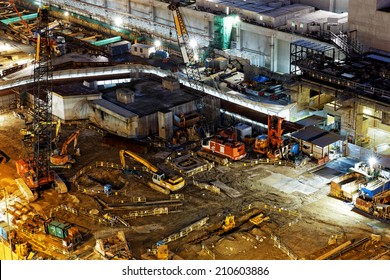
pixel 107 189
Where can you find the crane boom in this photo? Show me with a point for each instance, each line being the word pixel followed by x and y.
pixel 12 3
pixel 186 50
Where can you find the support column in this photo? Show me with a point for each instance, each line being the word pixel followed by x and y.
pixel 274 53
pixel 165 124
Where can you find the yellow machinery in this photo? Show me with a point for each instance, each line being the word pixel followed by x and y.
pixel 162 252
pixel 63 158
pixel 172 184
pixel 28 132
pixel 229 223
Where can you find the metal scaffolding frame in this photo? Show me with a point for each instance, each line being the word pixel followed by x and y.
pixel 304 53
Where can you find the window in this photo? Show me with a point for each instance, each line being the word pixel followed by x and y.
pixel 135 49
pixel 301 25
pixel 141 50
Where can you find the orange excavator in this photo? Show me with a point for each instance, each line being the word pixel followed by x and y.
pixel 63 159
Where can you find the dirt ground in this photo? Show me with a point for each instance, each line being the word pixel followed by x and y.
pixel 302 218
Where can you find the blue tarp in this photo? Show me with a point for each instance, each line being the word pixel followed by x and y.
pixel 260 79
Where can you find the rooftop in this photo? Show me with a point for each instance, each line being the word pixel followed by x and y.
pixel 72 89
pixel 150 97
pixel 317 136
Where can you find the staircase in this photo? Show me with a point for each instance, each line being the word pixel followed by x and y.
pixel 349 45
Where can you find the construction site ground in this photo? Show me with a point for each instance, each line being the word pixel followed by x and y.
pixel 302 221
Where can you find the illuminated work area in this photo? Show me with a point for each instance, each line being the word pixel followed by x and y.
pixel 195 130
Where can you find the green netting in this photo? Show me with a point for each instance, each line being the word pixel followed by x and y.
pixel 223 26
pixel 107 41
pixel 17 19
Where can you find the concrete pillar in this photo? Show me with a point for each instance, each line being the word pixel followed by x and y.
pixel 360 128
pixel 274 53
pixel 165 124
pixel 303 98
pixel 332 6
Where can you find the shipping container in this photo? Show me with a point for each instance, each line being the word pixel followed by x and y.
pixel 58 229
pixel 243 130
pixel 119 48
pixel 375 187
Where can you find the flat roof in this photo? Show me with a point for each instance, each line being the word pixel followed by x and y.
pixel 109 107
pixel 312 45
pixel 71 89
pixel 317 136
pixel 150 97
pixel 311 120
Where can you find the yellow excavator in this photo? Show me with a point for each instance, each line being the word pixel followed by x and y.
pixel 63 158
pixel 26 132
pixel 159 179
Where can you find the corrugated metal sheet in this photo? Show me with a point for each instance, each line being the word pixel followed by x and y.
pixel 317 136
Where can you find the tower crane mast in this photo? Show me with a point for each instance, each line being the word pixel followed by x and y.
pixel 186 50
pixel 35 169
pixel 42 92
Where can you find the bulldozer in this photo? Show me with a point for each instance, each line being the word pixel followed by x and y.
pixel 63 159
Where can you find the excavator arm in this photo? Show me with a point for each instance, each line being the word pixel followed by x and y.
pixel 63 159
pixel 71 138
pixel 159 181
pixel 147 164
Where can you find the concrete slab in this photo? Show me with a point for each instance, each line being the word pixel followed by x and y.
pixel 289 185
pixel 226 189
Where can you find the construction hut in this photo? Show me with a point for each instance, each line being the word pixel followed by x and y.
pixel 318 143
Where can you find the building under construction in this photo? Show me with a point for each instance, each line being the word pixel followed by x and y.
pixel 208 129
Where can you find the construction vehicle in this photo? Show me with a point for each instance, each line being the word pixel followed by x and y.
pixel 63 158
pixel 229 223
pixel 225 145
pixel 159 179
pixel 273 145
pixel 28 132
pixel 12 3
pixel 187 52
pixel 34 169
pixel 33 37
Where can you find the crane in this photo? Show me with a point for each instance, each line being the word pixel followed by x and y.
pixel 35 168
pixel 186 50
pixel 62 158
pixel 12 3
pixel 158 177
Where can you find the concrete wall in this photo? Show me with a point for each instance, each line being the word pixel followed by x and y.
pixel 72 107
pixel 7 101
pixel 110 122
pixel 372 25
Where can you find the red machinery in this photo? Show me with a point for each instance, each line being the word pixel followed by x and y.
pixel 225 144
pixel 271 144
pixel 63 157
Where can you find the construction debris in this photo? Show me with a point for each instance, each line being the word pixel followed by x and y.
pixel 114 247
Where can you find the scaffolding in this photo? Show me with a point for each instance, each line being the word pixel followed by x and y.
pixel 305 54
